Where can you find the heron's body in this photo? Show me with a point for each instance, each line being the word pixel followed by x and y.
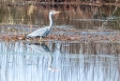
pixel 43 32
pixel 37 33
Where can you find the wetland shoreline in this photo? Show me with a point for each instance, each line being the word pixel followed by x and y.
pixel 68 36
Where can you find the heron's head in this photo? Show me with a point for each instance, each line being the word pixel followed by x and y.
pixel 52 12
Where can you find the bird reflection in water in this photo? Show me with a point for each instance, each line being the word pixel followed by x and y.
pixel 42 48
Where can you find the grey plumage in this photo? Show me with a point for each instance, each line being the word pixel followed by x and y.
pixel 43 32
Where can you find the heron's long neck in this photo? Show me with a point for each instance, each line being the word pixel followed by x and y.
pixel 51 21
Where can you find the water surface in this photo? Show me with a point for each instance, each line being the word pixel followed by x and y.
pixel 59 61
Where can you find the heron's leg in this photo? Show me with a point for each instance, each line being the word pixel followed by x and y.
pixel 34 38
pixel 40 40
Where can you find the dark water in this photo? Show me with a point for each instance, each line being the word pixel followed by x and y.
pixel 77 16
pixel 59 61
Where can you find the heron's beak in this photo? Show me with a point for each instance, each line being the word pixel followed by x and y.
pixel 57 12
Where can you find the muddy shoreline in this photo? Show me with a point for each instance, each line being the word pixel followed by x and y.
pixel 68 36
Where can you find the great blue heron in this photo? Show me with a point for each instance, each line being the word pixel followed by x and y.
pixel 43 32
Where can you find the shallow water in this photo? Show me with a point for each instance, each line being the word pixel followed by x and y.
pixel 59 61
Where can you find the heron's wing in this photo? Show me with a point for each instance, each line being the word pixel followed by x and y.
pixel 46 33
pixel 39 32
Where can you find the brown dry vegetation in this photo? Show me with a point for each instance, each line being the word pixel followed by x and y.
pixel 76 37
